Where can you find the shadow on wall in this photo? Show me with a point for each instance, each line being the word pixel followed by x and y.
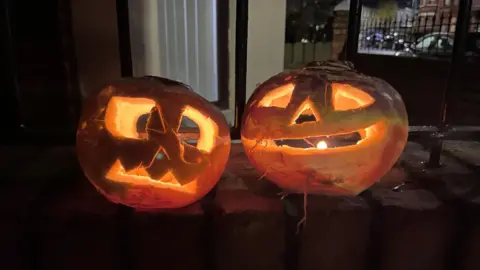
pixel 95 33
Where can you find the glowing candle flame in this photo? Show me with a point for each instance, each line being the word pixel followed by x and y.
pixel 322 145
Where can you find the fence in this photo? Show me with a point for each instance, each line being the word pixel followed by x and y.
pixel 416 35
pixel 412 35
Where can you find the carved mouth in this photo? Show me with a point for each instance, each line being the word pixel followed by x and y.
pixel 346 140
pixel 140 177
pixel 118 174
pixel 322 142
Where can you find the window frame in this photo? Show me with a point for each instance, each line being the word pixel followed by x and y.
pixel 223 54
pixel 126 63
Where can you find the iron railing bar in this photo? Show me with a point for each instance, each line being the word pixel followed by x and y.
pixel 123 25
pixel 241 40
pixel 457 58
pixel 14 105
pixel 354 20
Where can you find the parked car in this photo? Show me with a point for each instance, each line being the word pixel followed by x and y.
pixel 373 40
pixel 439 44
pixel 384 43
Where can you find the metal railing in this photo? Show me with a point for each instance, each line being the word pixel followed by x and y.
pixel 440 131
pixel 416 35
pixel 436 133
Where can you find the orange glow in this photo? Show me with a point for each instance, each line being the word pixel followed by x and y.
pixel 347 97
pixel 208 129
pixel 206 142
pixel 310 145
pixel 152 143
pixel 368 132
pixel 278 97
pixel 305 108
pixel 122 114
pixel 322 145
pixel 139 176
pixel 374 133
pixel 132 108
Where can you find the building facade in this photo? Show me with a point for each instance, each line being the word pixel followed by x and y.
pixel 441 16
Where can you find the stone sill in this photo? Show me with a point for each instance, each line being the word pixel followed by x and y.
pixel 52 217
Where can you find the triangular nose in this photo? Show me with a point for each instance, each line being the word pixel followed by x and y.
pixel 306 113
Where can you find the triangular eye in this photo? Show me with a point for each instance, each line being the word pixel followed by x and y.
pixel 203 129
pixel 154 122
pixel 188 131
pixel 142 123
pixel 279 97
pixel 305 113
pixel 123 114
pixel 346 97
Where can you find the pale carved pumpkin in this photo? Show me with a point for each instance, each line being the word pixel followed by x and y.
pixel 134 149
pixel 324 129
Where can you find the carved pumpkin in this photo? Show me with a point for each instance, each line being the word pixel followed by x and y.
pixel 324 129
pixel 134 149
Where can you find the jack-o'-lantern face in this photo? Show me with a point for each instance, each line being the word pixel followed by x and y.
pixel 134 148
pixel 324 129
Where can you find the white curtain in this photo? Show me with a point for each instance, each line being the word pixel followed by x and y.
pixel 176 39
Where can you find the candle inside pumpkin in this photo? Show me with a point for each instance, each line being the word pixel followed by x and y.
pixel 326 127
pixel 322 145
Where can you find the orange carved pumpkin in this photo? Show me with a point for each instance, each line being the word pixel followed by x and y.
pixel 324 129
pixel 134 148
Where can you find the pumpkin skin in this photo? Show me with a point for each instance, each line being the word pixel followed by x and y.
pixel 341 103
pixel 152 165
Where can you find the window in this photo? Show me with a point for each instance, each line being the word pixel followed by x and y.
pixel 444 44
pixel 179 40
pixel 428 2
pixel 426 14
pixel 426 43
pixel 435 44
pixel 447 2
